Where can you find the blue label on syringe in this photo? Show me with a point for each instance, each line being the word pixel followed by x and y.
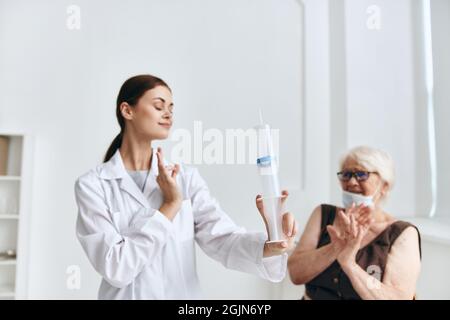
pixel 264 161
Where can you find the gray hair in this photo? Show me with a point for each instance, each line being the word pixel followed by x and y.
pixel 373 160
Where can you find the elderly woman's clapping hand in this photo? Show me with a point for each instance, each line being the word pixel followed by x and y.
pixel 347 234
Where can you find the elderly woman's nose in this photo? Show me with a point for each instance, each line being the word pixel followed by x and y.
pixel 352 182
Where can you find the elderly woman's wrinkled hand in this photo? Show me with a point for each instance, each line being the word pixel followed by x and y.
pixel 347 234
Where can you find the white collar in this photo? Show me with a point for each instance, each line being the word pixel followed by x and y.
pixel 115 169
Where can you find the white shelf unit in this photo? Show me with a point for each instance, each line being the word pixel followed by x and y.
pixel 15 152
pixel 8 262
pixel 9 178
pixel 7 293
pixel 9 216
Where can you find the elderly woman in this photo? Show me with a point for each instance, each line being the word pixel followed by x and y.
pixel 358 251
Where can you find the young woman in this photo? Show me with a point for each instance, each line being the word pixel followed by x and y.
pixel 139 216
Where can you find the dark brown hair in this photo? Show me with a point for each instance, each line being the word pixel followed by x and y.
pixel 131 91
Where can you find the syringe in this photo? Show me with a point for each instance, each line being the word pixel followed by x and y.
pixel 268 171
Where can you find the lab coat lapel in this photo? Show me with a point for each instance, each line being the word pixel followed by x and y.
pixel 115 169
pixel 128 185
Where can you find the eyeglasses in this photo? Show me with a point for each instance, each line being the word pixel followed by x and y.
pixel 359 175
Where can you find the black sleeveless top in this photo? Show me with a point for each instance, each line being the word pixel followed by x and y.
pixel 333 283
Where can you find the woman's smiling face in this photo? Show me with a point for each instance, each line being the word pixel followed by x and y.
pixel 367 187
pixel 152 116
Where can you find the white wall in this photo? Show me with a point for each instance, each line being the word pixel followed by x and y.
pixel 317 183
pixel 380 89
pixel 440 11
pixel 435 282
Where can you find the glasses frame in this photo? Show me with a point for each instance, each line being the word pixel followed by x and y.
pixel 355 176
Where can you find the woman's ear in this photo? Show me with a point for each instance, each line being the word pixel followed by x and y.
pixel 126 111
pixel 384 190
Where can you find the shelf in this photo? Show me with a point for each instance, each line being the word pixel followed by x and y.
pixel 9 216
pixel 15 152
pixel 9 178
pixel 7 292
pixel 8 262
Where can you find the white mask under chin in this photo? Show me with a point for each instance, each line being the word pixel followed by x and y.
pixel 348 198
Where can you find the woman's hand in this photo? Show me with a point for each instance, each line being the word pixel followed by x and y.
pixel 348 240
pixel 363 217
pixel 169 188
pixel 289 226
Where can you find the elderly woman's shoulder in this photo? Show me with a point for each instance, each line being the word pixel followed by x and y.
pixel 406 237
pixel 402 224
pixel 324 211
pixel 328 209
pixel 405 229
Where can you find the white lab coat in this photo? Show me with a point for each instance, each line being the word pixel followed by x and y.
pixel 143 255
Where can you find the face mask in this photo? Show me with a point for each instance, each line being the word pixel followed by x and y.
pixel 348 198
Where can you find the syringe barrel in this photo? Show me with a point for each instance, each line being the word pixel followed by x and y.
pixel 270 185
pixel 273 214
pixel 267 162
pixel 268 171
